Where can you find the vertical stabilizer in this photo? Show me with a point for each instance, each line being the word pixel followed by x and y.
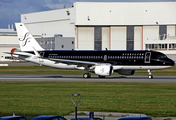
pixel 26 40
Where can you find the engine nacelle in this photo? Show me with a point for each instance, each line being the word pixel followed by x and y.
pixel 126 72
pixel 104 70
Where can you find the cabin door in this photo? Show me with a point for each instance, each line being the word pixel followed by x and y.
pixel 147 57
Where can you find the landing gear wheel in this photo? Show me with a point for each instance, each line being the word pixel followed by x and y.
pixel 150 76
pixel 101 76
pixel 86 75
pixel 89 75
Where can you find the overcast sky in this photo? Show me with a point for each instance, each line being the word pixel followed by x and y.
pixel 11 10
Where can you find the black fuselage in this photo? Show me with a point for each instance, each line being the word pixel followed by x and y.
pixel 113 57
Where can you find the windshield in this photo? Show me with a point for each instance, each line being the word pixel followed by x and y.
pixel 161 56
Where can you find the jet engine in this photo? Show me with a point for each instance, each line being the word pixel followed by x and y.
pixel 104 70
pixel 126 72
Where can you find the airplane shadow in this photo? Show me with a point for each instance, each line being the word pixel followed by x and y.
pixel 109 77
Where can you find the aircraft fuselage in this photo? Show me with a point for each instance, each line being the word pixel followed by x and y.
pixel 122 58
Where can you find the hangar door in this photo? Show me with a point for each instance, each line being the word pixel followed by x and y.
pixel 85 38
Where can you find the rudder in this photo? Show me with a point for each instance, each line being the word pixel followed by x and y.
pixel 26 40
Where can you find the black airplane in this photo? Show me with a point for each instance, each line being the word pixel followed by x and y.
pixel 103 63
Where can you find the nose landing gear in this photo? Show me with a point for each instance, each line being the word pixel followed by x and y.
pixel 150 76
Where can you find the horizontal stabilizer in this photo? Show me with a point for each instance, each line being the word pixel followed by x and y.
pixel 22 54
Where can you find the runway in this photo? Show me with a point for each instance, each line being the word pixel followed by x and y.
pixel 94 78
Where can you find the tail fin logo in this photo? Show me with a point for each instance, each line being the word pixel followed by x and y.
pixel 24 39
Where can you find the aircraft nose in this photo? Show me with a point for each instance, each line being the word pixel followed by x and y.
pixel 172 62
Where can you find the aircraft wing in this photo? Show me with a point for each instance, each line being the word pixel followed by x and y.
pixel 82 63
pixel 74 62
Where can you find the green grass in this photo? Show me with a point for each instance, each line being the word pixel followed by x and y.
pixel 37 70
pixel 48 70
pixel 153 99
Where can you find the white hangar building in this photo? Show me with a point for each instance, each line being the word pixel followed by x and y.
pixel 8 40
pixel 111 25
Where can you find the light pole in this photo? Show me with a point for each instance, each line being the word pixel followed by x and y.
pixel 76 104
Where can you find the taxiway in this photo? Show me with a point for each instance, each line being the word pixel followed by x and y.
pixel 94 78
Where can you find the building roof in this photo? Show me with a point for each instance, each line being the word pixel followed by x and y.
pixel 8 32
pixel 109 13
pixel 125 13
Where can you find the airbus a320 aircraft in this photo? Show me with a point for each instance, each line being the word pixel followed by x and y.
pixel 102 63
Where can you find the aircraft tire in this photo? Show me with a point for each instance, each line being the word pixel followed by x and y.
pixel 86 75
pixel 101 76
pixel 150 76
pixel 89 75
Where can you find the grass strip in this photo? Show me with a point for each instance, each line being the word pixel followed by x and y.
pixel 48 70
pixel 153 99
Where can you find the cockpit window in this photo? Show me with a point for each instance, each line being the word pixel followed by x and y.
pixel 161 56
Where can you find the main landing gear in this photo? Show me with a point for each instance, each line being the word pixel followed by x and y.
pixel 101 76
pixel 150 76
pixel 86 75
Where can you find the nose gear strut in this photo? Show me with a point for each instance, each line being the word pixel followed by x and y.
pixel 150 76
